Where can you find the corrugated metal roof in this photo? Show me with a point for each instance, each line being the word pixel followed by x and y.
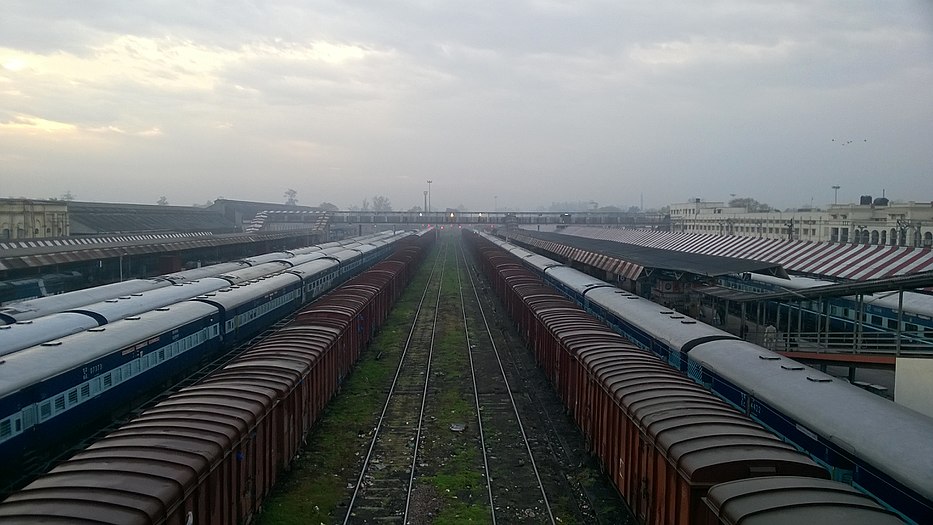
pixel 38 256
pixel 824 259
pixel 629 259
pixel 103 217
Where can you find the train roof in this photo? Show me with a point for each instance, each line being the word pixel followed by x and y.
pixel 576 280
pixel 346 254
pixel 890 437
pixel 152 461
pixel 204 271
pixel 38 363
pixel 310 268
pixel 914 302
pixel 776 500
pixel 25 310
pixel 238 294
pixel 254 272
pixel 672 328
pixel 120 307
pixel 702 436
pixel 301 258
pixel 267 257
pixel 24 334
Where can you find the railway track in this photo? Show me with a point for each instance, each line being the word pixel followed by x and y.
pixel 457 355
pixel 382 492
pixel 449 442
pixel 512 476
pixel 567 466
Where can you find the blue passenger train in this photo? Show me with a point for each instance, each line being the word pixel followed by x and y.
pixel 50 390
pixel 877 314
pixel 876 445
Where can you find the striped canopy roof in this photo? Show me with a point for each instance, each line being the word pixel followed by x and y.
pixel 823 259
pixel 629 260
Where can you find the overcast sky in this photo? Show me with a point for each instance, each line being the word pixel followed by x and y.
pixel 517 104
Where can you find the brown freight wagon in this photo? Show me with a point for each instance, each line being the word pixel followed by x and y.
pixel 792 500
pixel 664 440
pixel 209 454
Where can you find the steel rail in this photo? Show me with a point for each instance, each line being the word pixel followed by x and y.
pixel 505 379
pixel 376 433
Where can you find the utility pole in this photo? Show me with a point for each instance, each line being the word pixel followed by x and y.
pixel 429 195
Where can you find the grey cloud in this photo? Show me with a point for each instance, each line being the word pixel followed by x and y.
pixel 533 101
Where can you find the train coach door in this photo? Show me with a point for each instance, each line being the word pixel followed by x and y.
pixel 641 491
pixel 29 417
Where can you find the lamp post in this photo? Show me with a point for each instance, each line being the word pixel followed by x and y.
pixel 425 201
pixel 429 195
pixel 835 192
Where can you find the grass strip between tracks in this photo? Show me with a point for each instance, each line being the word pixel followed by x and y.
pixel 316 487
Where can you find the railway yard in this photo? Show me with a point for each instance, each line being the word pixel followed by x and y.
pixel 446 420
pixel 435 377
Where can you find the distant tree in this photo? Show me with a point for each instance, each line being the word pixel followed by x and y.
pixel 609 208
pixel 365 206
pixel 381 203
pixel 415 209
pixel 68 196
pixel 291 197
pixel 749 204
pixel 162 201
pixel 326 206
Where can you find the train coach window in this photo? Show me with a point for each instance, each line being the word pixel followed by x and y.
pixel 892 324
pixel 5 428
pixel 45 411
pixel 876 320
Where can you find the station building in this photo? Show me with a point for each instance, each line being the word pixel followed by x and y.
pixel 872 221
pixel 33 219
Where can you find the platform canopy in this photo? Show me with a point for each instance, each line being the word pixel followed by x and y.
pixel 824 260
pixel 630 260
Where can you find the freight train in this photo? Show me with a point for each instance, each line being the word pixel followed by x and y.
pixel 210 453
pixel 52 390
pixel 876 445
